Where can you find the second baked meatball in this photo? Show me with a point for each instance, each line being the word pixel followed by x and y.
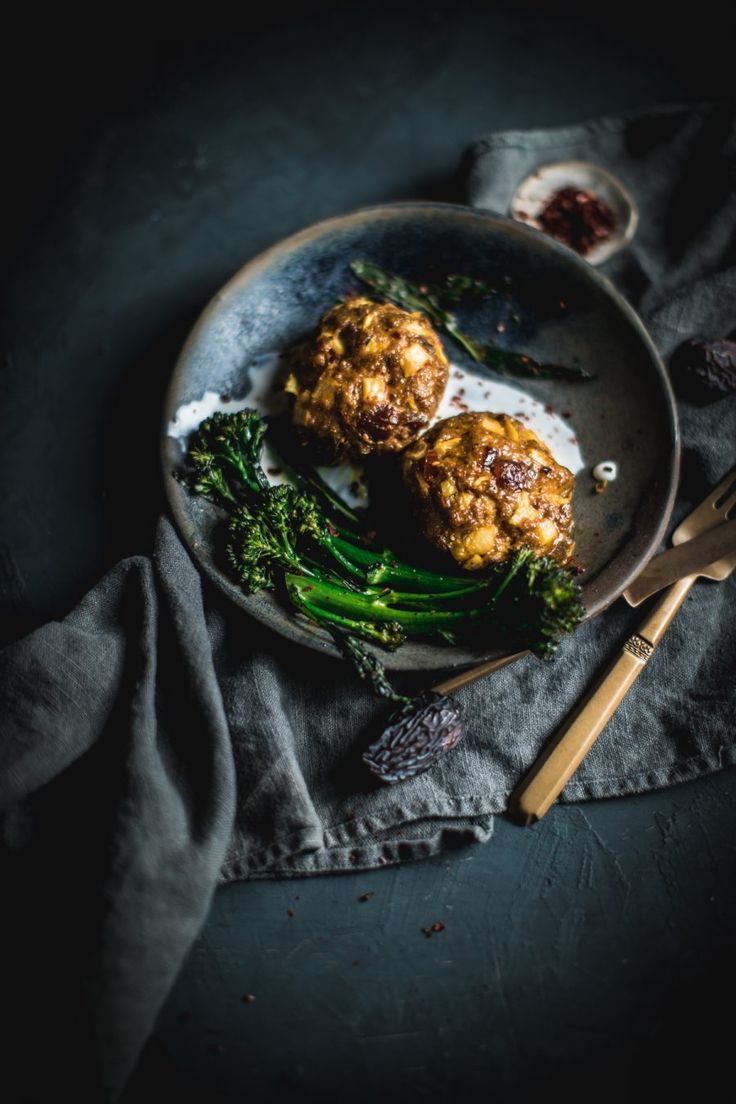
pixel 369 382
pixel 486 485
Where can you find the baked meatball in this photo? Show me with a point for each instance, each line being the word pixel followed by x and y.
pixel 485 485
pixel 369 382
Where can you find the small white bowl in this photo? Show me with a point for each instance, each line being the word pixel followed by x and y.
pixel 537 189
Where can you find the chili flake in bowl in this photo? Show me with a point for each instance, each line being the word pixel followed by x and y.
pixel 580 204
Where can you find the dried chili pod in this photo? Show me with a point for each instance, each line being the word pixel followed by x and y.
pixel 415 737
pixel 703 371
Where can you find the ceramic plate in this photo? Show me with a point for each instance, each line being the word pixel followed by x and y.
pixel 552 305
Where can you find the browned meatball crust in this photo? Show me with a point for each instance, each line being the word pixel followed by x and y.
pixel 485 485
pixel 369 382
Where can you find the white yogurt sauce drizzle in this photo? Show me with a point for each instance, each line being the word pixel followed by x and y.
pixel 465 391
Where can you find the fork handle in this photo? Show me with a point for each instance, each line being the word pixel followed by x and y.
pixel 541 787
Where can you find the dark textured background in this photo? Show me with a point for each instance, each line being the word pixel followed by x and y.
pixel 144 164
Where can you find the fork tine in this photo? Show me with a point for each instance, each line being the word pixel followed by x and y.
pixel 728 505
pixel 722 490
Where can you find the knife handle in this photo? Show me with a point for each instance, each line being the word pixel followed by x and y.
pixel 541 787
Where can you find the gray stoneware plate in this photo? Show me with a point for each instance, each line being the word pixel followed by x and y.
pixel 553 306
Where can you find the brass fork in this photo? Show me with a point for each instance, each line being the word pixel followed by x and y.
pixel 559 761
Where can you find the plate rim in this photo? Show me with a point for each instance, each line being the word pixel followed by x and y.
pixel 317 639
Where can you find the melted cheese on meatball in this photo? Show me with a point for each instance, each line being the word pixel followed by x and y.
pixel 485 484
pixel 369 382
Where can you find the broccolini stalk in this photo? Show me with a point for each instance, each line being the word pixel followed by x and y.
pixel 368 666
pixel 431 301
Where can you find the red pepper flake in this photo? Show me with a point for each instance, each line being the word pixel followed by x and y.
pixel 549 409
pixel 307 588
pixel 567 413
pixel 248 998
pixel 423 288
pixel 524 359
pixel 332 530
pixel 274 471
pixel 226 398
pixel 438 926
pixel 367 896
pixel 290 912
pixel 578 219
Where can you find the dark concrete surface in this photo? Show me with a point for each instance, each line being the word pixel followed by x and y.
pixel 589 952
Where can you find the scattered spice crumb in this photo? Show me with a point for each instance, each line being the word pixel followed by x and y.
pixel 226 398
pixel 367 896
pixel 457 374
pixel 290 912
pixel 438 926
pixel 567 413
pixel 248 998
pixel 274 471
pixel 549 409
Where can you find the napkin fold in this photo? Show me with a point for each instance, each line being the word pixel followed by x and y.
pixel 157 742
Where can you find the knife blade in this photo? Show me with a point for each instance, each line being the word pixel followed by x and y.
pixel 690 558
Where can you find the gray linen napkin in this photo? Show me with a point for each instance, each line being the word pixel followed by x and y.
pixel 157 741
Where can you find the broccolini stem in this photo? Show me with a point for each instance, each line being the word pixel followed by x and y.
pixel 309 479
pixel 364 608
pixel 385 568
pixel 387 634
